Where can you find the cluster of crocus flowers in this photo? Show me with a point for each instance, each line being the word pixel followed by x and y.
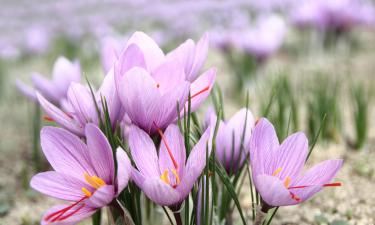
pixel 84 173
pixel 277 168
pixel 64 73
pixel 167 178
pixel 151 84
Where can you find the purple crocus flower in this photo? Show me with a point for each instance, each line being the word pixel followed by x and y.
pixel 167 178
pixel 84 174
pixel 150 84
pixel 79 108
pixel 109 52
pixel 277 168
pixel 229 151
pixel 264 39
pixel 55 90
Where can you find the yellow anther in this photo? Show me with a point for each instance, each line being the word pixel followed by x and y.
pixel 165 177
pixel 277 171
pixel 94 181
pixel 287 182
pixel 86 192
pixel 178 181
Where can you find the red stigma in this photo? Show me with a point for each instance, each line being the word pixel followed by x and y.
pixel 59 215
pixel 175 164
pixel 337 184
pixel 48 119
pixel 200 92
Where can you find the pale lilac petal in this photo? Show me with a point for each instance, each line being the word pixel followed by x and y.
pixel 82 214
pixel 263 145
pixel 222 154
pixel 201 51
pixel 316 177
pixel 100 153
pixel 273 191
pixel 108 91
pixel 210 116
pixel 109 53
pixel 131 57
pixel 291 155
pixel 82 103
pixel 101 197
pixel 59 185
pixel 143 152
pixel 200 89
pixel 139 96
pixel 160 192
pixel 60 117
pixel 65 152
pixel 26 90
pixel 185 55
pixel 64 73
pixel 46 88
pixel 167 109
pixel 137 177
pixel 169 75
pixel 175 142
pixel 124 169
pixel 153 54
pixel 196 163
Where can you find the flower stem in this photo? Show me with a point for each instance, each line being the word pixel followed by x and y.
pixel 260 216
pixel 177 217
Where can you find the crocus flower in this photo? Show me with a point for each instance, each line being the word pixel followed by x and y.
pixel 167 178
pixel 84 174
pixel 109 52
pixel 264 39
pixel 277 169
pixel 80 109
pixel 231 134
pixel 55 90
pixel 150 84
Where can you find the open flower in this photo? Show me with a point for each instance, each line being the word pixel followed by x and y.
pixel 84 174
pixel 63 74
pixel 277 169
pixel 167 178
pixel 150 83
pixel 229 151
pixel 79 107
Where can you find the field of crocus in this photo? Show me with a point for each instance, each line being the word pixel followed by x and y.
pixel 187 112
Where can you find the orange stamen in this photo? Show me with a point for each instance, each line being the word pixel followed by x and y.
pixel 175 164
pixel 200 92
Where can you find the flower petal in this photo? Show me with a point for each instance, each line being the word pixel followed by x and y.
pixel 64 73
pixel 131 57
pixel 160 192
pixel 60 117
pixel 65 152
pixel 175 142
pixel 109 53
pixel 124 169
pixel 291 155
pixel 100 153
pixel 27 91
pixel 201 51
pixel 263 145
pixel 273 191
pixel 169 75
pixel 46 88
pixel 139 96
pixel 101 197
pixel 82 214
pixel 185 55
pixel 200 89
pixel 137 177
pixel 196 163
pixel 143 152
pixel 82 103
pixel 316 177
pixel 153 54
pixel 58 185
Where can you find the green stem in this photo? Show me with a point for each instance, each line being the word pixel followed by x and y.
pixel 96 218
pixel 177 217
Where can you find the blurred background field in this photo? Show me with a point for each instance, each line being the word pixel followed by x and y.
pixel 307 74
